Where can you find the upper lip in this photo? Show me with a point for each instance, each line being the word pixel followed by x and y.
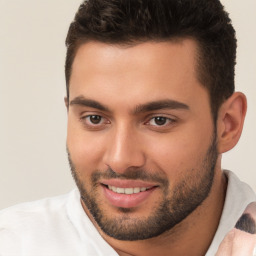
pixel 128 183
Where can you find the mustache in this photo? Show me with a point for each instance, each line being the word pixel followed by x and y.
pixel 130 174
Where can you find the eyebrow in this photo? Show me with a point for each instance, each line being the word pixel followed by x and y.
pixel 80 100
pixel 161 104
pixel 147 107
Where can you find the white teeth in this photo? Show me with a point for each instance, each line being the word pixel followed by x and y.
pixel 127 191
pixel 137 190
pixel 120 190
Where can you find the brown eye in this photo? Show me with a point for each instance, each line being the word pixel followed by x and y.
pixel 94 119
pixel 159 120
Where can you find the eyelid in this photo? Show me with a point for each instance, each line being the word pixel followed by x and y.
pixel 88 113
pixel 88 116
pixel 151 116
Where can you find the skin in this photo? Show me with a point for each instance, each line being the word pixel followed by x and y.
pixel 237 243
pixel 123 78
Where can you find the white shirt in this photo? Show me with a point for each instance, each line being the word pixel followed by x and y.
pixel 58 226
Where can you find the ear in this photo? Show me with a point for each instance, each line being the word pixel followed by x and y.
pixel 230 121
pixel 66 102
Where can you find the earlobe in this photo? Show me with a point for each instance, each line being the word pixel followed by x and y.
pixel 230 121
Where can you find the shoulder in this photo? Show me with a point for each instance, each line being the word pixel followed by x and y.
pixel 31 217
pixel 51 226
pixel 27 210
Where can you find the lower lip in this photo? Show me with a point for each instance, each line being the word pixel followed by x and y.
pixel 127 201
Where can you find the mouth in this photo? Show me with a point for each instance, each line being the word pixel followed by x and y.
pixel 127 194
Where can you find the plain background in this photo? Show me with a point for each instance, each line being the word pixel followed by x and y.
pixel 33 162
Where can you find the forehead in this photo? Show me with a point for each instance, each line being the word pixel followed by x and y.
pixel 143 72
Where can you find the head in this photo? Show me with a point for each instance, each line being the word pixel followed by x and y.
pixel 146 84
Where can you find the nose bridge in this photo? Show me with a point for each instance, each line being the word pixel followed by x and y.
pixel 124 150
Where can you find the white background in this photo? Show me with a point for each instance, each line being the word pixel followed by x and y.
pixel 33 160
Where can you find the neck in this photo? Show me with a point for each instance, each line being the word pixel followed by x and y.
pixel 192 236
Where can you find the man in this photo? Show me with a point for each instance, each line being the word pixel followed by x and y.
pixel 151 108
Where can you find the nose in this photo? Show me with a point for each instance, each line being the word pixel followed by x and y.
pixel 124 150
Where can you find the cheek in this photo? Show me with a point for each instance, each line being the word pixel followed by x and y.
pixel 85 149
pixel 179 152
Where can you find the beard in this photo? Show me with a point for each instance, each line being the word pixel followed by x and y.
pixel 175 206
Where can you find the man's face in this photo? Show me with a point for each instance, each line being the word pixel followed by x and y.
pixel 141 139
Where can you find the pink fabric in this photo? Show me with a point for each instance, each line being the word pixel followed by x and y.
pixel 241 240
